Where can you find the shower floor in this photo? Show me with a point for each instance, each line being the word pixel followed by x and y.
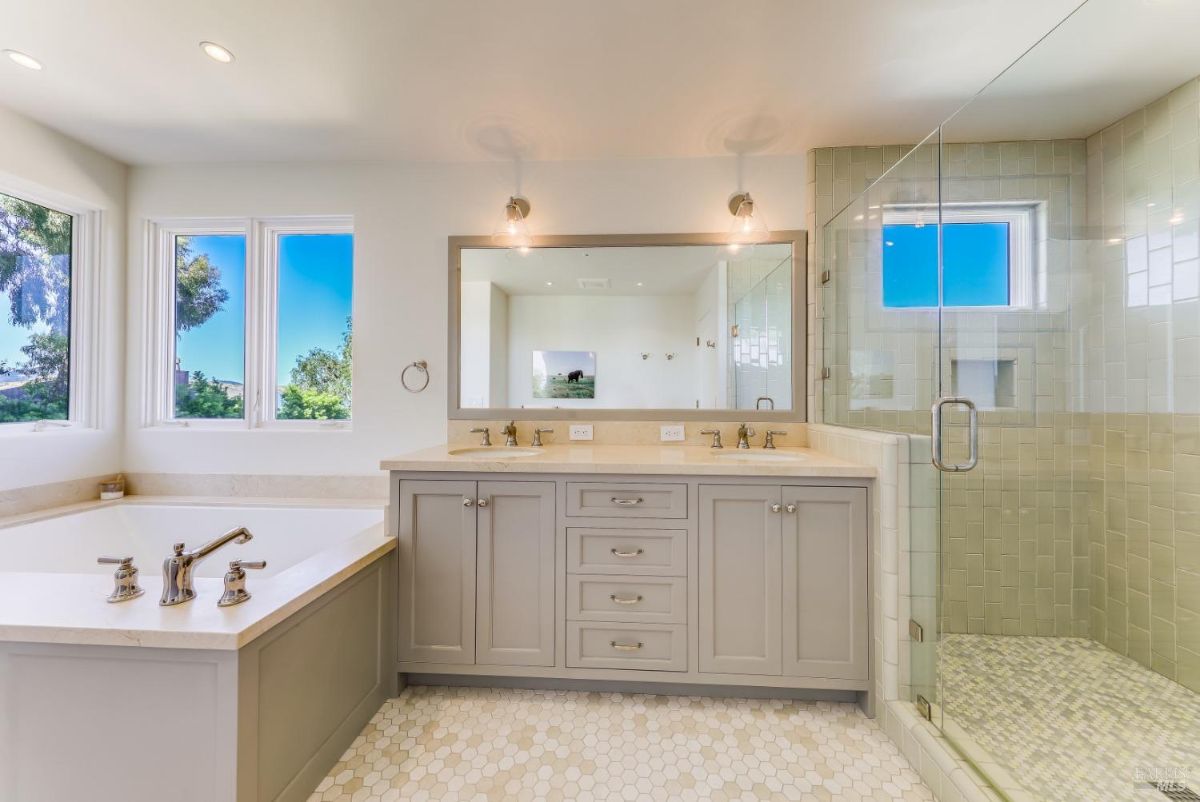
pixel 1068 719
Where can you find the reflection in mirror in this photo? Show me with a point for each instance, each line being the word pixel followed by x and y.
pixel 627 327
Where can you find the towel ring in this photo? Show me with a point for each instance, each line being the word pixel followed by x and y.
pixel 420 365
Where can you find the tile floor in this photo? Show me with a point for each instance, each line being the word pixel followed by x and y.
pixel 1068 719
pixel 487 744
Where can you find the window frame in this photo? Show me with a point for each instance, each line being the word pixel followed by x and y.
pixel 84 349
pixel 261 318
pixel 1026 244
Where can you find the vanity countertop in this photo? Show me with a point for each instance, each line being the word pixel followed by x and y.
pixel 579 458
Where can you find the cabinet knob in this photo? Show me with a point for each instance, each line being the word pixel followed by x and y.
pixel 468 502
pixel 483 502
pixel 776 507
pixel 790 508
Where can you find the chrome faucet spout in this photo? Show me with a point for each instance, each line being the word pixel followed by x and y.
pixel 178 569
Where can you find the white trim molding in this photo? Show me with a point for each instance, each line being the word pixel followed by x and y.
pixel 261 318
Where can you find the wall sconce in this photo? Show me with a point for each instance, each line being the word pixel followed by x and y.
pixel 749 227
pixel 513 232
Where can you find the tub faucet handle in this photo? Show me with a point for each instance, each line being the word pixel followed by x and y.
pixel 235 582
pixel 124 579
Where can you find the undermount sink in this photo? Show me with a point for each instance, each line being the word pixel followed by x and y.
pixel 495 452
pixel 759 455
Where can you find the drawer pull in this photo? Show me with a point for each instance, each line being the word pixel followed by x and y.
pixel 625 647
pixel 625 599
pixel 634 553
pixel 626 502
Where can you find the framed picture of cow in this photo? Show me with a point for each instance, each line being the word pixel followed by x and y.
pixel 564 374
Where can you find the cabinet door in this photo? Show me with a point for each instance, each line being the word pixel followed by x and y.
pixel 740 579
pixel 825 582
pixel 516 574
pixel 437 571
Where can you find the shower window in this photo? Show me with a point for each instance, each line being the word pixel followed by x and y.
pixel 988 256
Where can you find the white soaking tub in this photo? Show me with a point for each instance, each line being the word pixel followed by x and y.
pixel 135 701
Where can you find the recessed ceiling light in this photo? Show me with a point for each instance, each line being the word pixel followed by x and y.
pixel 639 283
pixel 24 59
pixel 215 52
pixel 549 283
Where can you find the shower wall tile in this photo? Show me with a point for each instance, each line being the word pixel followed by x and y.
pixel 1142 373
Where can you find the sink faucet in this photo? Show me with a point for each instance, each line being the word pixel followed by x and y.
pixel 487 437
pixel 510 434
pixel 178 568
pixel 744 435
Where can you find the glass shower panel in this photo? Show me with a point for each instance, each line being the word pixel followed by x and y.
pixel 1070 637
pixel 760 311
pixel 881 353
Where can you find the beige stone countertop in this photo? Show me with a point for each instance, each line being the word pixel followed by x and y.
pixel 669 460
pixel 66 608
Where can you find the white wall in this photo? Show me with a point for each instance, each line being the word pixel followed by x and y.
pixel 403 215
pixel 619 329
pixel 37 159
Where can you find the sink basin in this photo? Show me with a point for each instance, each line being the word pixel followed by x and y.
pixel 495 452
pixel 759 455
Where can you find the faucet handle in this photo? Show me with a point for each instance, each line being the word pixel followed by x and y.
pixel 235 582
pixel 771 435
pixel 178 548
pixel 487 437
pixel 537 435
pixel 124 578
pixel 716 437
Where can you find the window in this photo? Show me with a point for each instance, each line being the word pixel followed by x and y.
pixel 210 325
pixel 256 316
pixel 37 249
pixel 987 256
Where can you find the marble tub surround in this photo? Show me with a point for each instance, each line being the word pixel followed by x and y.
pixel 275 486
pixel 21 500
pixel 70 608
pixel 665 459
pixel 630 432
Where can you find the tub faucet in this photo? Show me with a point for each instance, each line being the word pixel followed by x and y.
pixel 178 568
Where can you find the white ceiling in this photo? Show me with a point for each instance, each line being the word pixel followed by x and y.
pixel 656 270
pixel 461 80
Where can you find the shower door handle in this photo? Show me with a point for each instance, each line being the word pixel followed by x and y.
pixel 972 434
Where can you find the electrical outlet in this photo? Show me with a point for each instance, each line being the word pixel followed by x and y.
pixel 581 431
pixel 670 433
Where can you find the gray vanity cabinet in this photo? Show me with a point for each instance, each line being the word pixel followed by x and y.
pixel 515 624
pixel 476 572
pixel 783 581
pixel 825 582
pixel 740 553
pixel 437 571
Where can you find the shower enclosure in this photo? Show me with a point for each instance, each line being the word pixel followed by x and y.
pixel 1019 293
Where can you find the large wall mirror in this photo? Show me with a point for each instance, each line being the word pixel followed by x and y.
pixel 628 327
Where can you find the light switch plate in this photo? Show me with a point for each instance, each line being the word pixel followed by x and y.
pixel 671 433
pixel 581 431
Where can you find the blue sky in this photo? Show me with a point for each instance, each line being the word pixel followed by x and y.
pixel 315 286
pixel 975 265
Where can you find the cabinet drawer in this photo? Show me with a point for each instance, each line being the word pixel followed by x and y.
pixel 658 600
pixel 659 552
pixel 656 647
pixel 626 500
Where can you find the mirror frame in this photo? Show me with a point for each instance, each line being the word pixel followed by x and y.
pixel 797 238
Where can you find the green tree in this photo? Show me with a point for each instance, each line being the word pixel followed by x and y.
pixel 202 397
pixel 198 291
pixel 35 262
pixel 298 403
pixel 320 386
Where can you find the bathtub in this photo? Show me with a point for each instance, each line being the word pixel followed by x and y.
pixel 236 704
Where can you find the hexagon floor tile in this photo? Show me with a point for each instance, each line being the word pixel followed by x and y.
pixel 433 743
